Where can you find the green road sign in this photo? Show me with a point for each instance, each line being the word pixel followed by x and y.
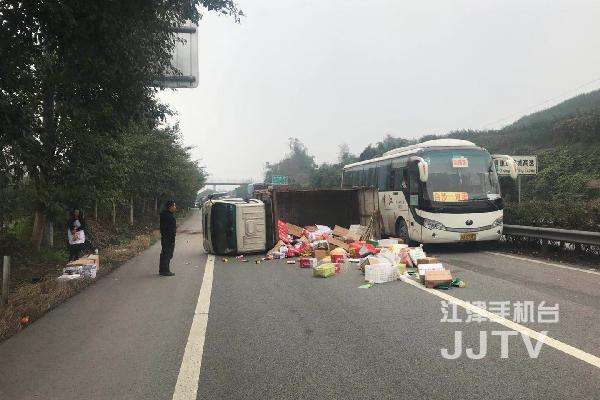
pixel 279 180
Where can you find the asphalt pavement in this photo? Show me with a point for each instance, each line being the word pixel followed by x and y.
pixel 121 338
pixel 276 332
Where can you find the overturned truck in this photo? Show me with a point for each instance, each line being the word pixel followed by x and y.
pixel 231 226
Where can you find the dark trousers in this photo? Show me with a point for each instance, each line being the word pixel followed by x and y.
pixel 168 247
pixel 74 251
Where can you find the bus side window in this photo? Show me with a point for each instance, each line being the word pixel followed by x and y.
pixel 398 179
pixel 413 186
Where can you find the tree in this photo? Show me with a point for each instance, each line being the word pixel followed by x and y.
pixel 388 143
pixel 297 165
pixel 73 78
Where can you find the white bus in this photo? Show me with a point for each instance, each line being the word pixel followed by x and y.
pixel 439 191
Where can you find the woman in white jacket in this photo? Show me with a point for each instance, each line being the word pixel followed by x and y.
pixel 76 234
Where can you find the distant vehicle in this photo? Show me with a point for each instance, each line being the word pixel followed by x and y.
pixel 233 226
pixel 439 191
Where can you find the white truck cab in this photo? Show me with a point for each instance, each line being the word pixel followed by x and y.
pixel 233 226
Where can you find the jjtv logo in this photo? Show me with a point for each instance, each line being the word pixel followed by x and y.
pixel 518 312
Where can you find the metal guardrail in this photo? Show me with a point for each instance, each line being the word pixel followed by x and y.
pixel 562 235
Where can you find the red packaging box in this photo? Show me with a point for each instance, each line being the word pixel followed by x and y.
pixel 307 262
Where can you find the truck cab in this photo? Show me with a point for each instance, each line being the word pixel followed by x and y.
pixel 233 226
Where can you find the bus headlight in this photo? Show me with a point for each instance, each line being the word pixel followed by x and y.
pixel 432 224
pixel 498 222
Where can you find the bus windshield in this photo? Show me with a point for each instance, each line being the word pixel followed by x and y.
pixel 460 175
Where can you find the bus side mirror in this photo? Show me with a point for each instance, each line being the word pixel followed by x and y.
pixel 510 163
pixel 423 170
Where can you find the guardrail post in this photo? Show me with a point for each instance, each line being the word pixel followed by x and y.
pixel 544 246
pixel 5 279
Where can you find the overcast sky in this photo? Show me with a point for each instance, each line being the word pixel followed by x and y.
pixel 347 71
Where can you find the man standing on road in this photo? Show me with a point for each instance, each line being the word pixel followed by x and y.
pixel 168 229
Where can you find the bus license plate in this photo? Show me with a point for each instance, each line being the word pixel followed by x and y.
pixel 468 236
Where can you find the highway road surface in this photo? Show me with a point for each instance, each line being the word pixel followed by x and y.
pixel 271 331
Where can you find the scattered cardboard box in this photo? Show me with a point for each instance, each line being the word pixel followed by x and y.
pixel 345 234
pixel 357 230
pixel 424 268
pixel 276 247
pixel 294 230
pixel 416 254
pixel 96 258
pixel 427 260
pixel 82 261
pixel 338 243
pixel 435 278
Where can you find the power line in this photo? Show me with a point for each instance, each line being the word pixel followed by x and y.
pixel 542 103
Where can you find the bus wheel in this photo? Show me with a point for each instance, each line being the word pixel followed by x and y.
pixel 402 230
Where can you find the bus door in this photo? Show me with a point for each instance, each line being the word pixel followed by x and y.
pixel 386 198
pixel 414 228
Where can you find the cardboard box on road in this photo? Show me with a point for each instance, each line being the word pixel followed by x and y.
pixel 435 278
pixel 345 234
pixel 424 268
pixel 338 243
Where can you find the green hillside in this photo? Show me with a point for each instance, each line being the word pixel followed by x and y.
pixel 566 139
pixel 581 104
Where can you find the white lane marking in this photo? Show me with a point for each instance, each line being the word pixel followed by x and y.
pixel 556 344
pixel 587 271
pixel 189 372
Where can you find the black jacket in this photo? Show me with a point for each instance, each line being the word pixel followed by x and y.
pixel 168 225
